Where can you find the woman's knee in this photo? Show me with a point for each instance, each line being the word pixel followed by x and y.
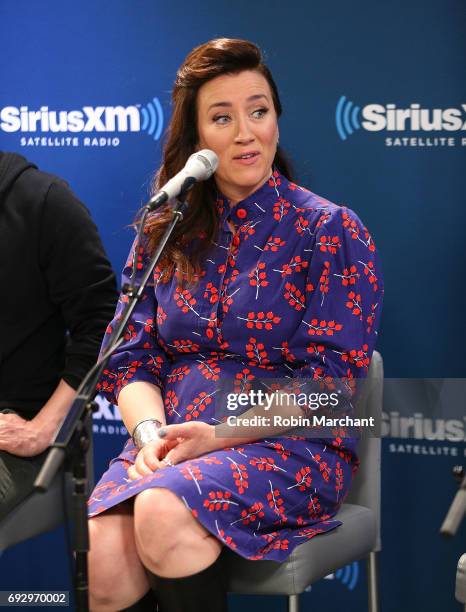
pixel 112 532
pixel 160 521
pixel 112 549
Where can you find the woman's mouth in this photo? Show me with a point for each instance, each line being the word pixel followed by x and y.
pixel 247 158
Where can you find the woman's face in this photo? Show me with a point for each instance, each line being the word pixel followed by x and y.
pixel 236 118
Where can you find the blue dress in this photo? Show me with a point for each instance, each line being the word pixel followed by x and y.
pixel 294 292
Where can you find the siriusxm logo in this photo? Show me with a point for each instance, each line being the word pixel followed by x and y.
pixel 107 419
pixel 419 427
pixel 88 120
pixel 377 117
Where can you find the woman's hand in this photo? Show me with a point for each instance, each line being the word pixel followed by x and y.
pixel 150 458
pixel 188 440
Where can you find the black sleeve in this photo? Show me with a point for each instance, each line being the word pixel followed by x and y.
pixel 79 277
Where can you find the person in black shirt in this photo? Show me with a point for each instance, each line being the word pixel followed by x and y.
pixel 58 292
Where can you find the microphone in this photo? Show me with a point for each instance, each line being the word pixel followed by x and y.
pixel 199 167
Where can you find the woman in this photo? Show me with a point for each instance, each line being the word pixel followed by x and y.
pixel 263 279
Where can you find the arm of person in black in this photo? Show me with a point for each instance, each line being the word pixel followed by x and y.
pixel 82 285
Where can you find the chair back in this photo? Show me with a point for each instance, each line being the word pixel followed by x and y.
pixel 365 490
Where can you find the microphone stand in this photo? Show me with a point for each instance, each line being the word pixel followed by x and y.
pixel 72 440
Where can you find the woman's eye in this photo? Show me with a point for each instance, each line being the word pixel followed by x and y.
pixel 221 119
pixel 260 112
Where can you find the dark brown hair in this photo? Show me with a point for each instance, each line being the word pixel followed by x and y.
pixel 206 62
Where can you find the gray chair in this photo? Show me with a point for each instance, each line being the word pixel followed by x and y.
pixel 460 592
pixel 41 512
pixel 357 538
pixel 38 513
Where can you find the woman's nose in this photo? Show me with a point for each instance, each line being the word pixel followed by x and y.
pixel 244 133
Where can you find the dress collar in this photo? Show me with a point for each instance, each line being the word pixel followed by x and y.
pixel 256 205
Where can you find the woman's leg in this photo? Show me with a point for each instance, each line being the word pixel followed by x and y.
pixel 169 540
pixel 117 579
pixel 181 556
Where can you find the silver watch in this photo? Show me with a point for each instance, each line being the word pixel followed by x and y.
pixel 146 431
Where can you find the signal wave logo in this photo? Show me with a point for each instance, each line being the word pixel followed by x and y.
pixel 348 575
pixel 349 118
pixel 45 126
pixel 346 118
pixel 152 118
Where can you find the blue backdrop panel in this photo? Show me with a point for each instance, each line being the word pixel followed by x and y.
pixel 374 115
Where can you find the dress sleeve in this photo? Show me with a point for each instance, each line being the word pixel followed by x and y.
pixel 344 293
pixel 140 357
